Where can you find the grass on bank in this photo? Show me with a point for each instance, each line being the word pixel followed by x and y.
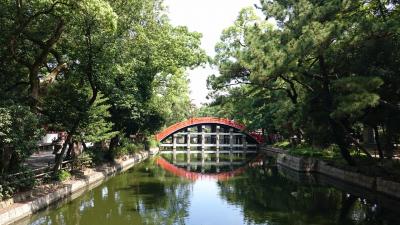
pixel 329 153
pixel 304 150
pixel 387 168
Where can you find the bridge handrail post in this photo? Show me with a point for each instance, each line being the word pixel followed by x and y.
pixel 174 144
pixel 188 140
pixel 217 141
pixel 203 141
pixel 231 139
pixel 244 142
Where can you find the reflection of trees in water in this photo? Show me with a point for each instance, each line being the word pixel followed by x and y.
pixel 266 197
pixel 146 195
pixel 159 197
pixel 171 201
pixel 173 207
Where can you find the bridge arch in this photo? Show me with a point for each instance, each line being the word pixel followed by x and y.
pixel 209 133
pixel 207 120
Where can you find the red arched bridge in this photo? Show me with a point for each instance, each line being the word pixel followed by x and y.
pixel 208 135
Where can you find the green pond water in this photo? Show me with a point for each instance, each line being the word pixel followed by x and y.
pixel 194 194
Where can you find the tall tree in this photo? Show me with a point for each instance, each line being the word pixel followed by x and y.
pixel 90 64
pixel 332 59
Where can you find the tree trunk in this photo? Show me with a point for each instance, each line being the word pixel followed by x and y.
pixel 388 145
pixel 337 130
pixel 59 158
pixel 340 140
pixel 5 158
pixel 34 85
pixel 41 59
pixel 84 146
pixel 378 142
pixel 70 149
pixel 270 139
pixel 114 143
pixel 15 162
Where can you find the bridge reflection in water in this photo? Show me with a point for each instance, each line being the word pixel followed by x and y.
pixel 207 166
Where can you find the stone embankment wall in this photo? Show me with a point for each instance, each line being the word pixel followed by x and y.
pixel 18 210
pixel 303 164
pixel 347 176
pixel 297 163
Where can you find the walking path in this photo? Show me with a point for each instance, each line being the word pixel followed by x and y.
pixel 40 159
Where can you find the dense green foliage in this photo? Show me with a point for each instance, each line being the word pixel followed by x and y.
pixel 323 73
pixel 97 69
pixel 62 175
pixel 11 184
pixel 19 133
pixel 126 148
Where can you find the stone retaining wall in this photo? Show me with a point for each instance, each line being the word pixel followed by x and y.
pixel 297 163
pixel 271 151
pixel 383 200
pixel 347 176
pixel 303 164
pixel 19 210
pixel 388 187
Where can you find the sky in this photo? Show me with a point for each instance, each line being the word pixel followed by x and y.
pixel 209 17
